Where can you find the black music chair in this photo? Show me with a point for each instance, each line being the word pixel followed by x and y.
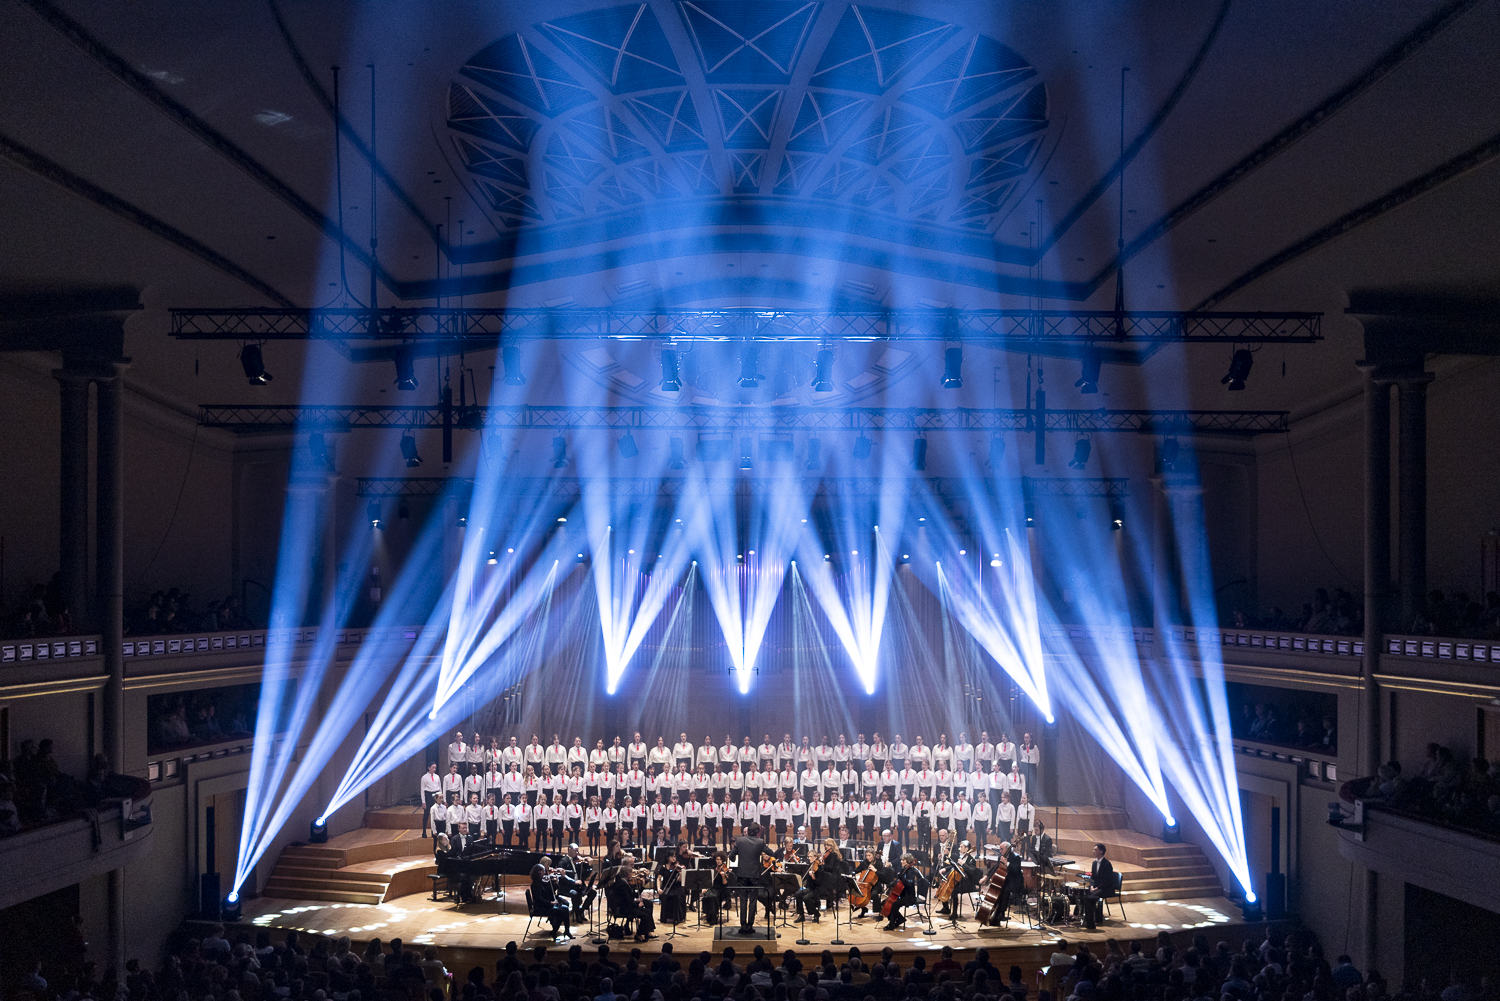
pixel 1118 895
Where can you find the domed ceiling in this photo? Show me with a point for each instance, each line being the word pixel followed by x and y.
pixel 836 117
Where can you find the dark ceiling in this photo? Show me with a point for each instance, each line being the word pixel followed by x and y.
pixel 713 152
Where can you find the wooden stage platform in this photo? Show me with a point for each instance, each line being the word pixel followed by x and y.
pixel 372 883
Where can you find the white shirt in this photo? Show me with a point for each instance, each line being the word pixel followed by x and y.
pixel 1031 755
pixel 728 754
pixel 984 751
pixel 1005 751
pixel 861 750
pixel 767 752
pixel 577 755
pixel 781 810
pixel 599 758
pixel 942 753
pixel 610 815
pixel 962 810
pixel 899 750
pixel 637 750
pixel 964 752
pixel 659 756
pixel 786 755
pixel 452 782
pixel 535 754
pixel 635 779
pixel 816 809
pixel 1026 812
pixel 557 754
pixel 1007 812
pixel 708 755
pixel 616 755
pixel 593 815
pixel 799 806
pixel 888 778
pixel 880 751
pixel 477 753
pixel 841 753
pixel 493 780
pixel 712 811
pixel 510 755
pixel 438 813
pixel 511 782
pixel 885 810
pixel 981 812
pixel 458 753
pixel 1015 780
pixel 919 754
pixel 683 749
pixel 431 782
pixel 693 809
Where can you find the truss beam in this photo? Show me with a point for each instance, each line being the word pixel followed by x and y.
pixel 671 488
pixel 727 420
pixel 477 329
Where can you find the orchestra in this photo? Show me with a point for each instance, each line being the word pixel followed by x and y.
pixel 884 824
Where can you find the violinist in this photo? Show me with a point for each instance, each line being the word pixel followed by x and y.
pixel 671 888
pixel 581 872
pixel 824 880
pixel 548 890
pixel 623 894
pixel 713 898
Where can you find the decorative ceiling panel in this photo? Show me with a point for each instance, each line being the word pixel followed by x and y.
pixel 832 105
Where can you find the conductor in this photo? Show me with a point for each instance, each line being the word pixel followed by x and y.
pixel 747 852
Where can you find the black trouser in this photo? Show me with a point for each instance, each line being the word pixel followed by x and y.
pixel 924 833
pixel 902 830
pixel 749 901
pixel 556 912
pixel 980 834
pixel 509 829
pixel 809 896
pixel 1093 908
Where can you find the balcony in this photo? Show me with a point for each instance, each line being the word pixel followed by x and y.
pixel 1449 860
pixel 48 858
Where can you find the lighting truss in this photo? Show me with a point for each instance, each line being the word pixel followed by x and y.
pixel 571 488
pixel 1179 423
pixel 470 329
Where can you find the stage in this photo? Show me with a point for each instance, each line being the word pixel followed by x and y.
pixel 373 883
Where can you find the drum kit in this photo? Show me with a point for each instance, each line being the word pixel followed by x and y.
pixel 1060 900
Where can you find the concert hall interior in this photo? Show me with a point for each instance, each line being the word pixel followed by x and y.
pixel 803 475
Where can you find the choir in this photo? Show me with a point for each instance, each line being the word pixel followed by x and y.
pixel 704 793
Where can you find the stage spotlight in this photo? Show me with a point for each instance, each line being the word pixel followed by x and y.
pixel 814 454
pixel 746 460
pixel 749 378
pixel 1030 507
pixel 559 452
pixel 372 511
pixel 823 372
pixel 861 447
pixel 906 557
pixel 1169 452
pixel 321 453
pixel 463 521
pixel 1088 380
pixel 677 461
pixel 671 377
pixel 628 449
pixel 919 454
pixel 953 363
pixel 510 357
pixel 254 365
pixel 409 450
pixel 1239 370
pixel 994 559
pixel 1081 449
pixel 402 511
pixel 997 451
pixel 319 833
pixel 492 560
pixel 406 369
pixel 1170 832
pixel 230 909
pixel 1251 907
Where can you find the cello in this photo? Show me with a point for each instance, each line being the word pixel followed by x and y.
pixel 864 887
pixel 897 888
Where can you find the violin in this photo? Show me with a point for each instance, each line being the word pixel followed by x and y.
pixel 770 863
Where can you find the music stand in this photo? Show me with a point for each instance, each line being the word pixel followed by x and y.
pixel 783 883
pixel 700 880
pixel 768 935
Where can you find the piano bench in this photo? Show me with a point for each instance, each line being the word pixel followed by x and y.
pixel 437 879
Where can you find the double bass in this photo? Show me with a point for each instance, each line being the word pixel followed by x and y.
pixel 994 885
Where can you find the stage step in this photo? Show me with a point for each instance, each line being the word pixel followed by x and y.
pixel 394 818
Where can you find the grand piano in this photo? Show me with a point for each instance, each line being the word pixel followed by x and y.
pixel 481 862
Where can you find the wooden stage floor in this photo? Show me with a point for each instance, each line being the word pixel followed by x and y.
pixel 477 933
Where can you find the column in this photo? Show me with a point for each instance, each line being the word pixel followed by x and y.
pixel 73 494
pixel 110 529
pixel 1377 597
pixel 1411 543
pixel 1377 554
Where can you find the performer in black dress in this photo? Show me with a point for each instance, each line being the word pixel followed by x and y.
pixel 825 883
